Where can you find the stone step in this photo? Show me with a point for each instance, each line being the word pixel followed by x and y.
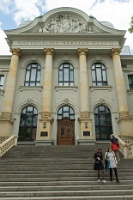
pixel 116 197
pixel 65 183
pixel 66 187
pixel 60 172
pixel 55 174
pixel 72 193
pixel 26 179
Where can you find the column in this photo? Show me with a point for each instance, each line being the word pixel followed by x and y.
pixel 86 122
pixel 45 122
pixel 6 117
pixel 125 121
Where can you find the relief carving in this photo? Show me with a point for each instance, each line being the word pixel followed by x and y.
pixel 46 115
pixel 6 115
pixel 85 114
pixel 65 24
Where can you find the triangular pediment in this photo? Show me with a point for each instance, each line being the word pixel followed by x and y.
pixel 65 21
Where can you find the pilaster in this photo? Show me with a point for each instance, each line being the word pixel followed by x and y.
pixel 85 121
pixel 6 116
pixel 125 122
pixel 45 121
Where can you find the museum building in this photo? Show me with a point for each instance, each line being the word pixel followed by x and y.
pixel 67 81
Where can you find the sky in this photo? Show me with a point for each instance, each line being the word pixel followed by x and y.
pixel 14 12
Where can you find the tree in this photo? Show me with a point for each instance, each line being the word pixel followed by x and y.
pixel 131 25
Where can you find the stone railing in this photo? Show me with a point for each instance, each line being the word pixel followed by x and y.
pixel 126 145
pixel 7 144
pixel 2 139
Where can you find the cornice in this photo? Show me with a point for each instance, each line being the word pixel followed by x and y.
pixel 126 57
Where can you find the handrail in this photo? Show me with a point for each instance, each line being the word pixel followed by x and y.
pixel 8 144
pixel 126 145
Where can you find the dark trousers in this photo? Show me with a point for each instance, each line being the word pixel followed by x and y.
pixel 116 174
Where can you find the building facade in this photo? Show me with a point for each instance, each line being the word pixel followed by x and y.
pixel 66 82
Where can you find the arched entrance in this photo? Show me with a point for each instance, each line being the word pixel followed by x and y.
pixel 28 124
pixel 103 123
pixel 66 126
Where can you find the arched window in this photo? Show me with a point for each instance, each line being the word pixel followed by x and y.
pixel 103 123
pixel 32 76
pixel 28 124
pixel 99 76
pixel 66 75
pixel 66 111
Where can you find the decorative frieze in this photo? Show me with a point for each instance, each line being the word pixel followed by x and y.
pixel 66 24
pixel 54 43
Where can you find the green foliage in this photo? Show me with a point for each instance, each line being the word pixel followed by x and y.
pixel 131 25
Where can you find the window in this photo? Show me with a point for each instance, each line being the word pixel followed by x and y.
pixel 66 75
pixel 66 111
pixel 99 76
pixel 1 81
pixel 32 76
pixel 28 124
pixel 130 80
pixel 103 123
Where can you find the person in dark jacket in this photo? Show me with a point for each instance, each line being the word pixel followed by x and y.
pixel 98 165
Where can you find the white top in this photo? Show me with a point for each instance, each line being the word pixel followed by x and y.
pixel 112 158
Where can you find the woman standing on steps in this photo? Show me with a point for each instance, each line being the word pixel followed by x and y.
pixel 111 157
pixel 98 165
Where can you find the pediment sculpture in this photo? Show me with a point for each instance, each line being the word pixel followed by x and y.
pixel 65 24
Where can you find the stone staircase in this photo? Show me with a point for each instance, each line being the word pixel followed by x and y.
pixel 60 173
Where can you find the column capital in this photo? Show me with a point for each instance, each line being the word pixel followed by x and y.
pixel 115 51
pixel 82 51
pixel 16 52
pixel 49 51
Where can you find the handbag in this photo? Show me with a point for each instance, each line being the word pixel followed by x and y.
pixel 97 162
pixel 107 163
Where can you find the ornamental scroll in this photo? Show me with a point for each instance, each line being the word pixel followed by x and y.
pixel 65 24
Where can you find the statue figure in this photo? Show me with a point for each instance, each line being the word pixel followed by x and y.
pixel 65 25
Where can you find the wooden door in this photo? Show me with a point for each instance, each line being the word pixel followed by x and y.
pixel 65 132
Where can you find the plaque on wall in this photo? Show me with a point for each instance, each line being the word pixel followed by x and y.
pixel 44 133
pixel 86 133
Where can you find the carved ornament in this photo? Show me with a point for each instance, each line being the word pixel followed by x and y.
pixel 115 51
pixel 66 24
pixel 85 114
pixel 16 52
pixel 82 51
pixel 46 114
pixel 6 115
pixel 49 51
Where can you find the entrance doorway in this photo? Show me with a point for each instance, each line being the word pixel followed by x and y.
pixel 28 124
pixel 103 123
pixel 65 131
pixel 66 126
